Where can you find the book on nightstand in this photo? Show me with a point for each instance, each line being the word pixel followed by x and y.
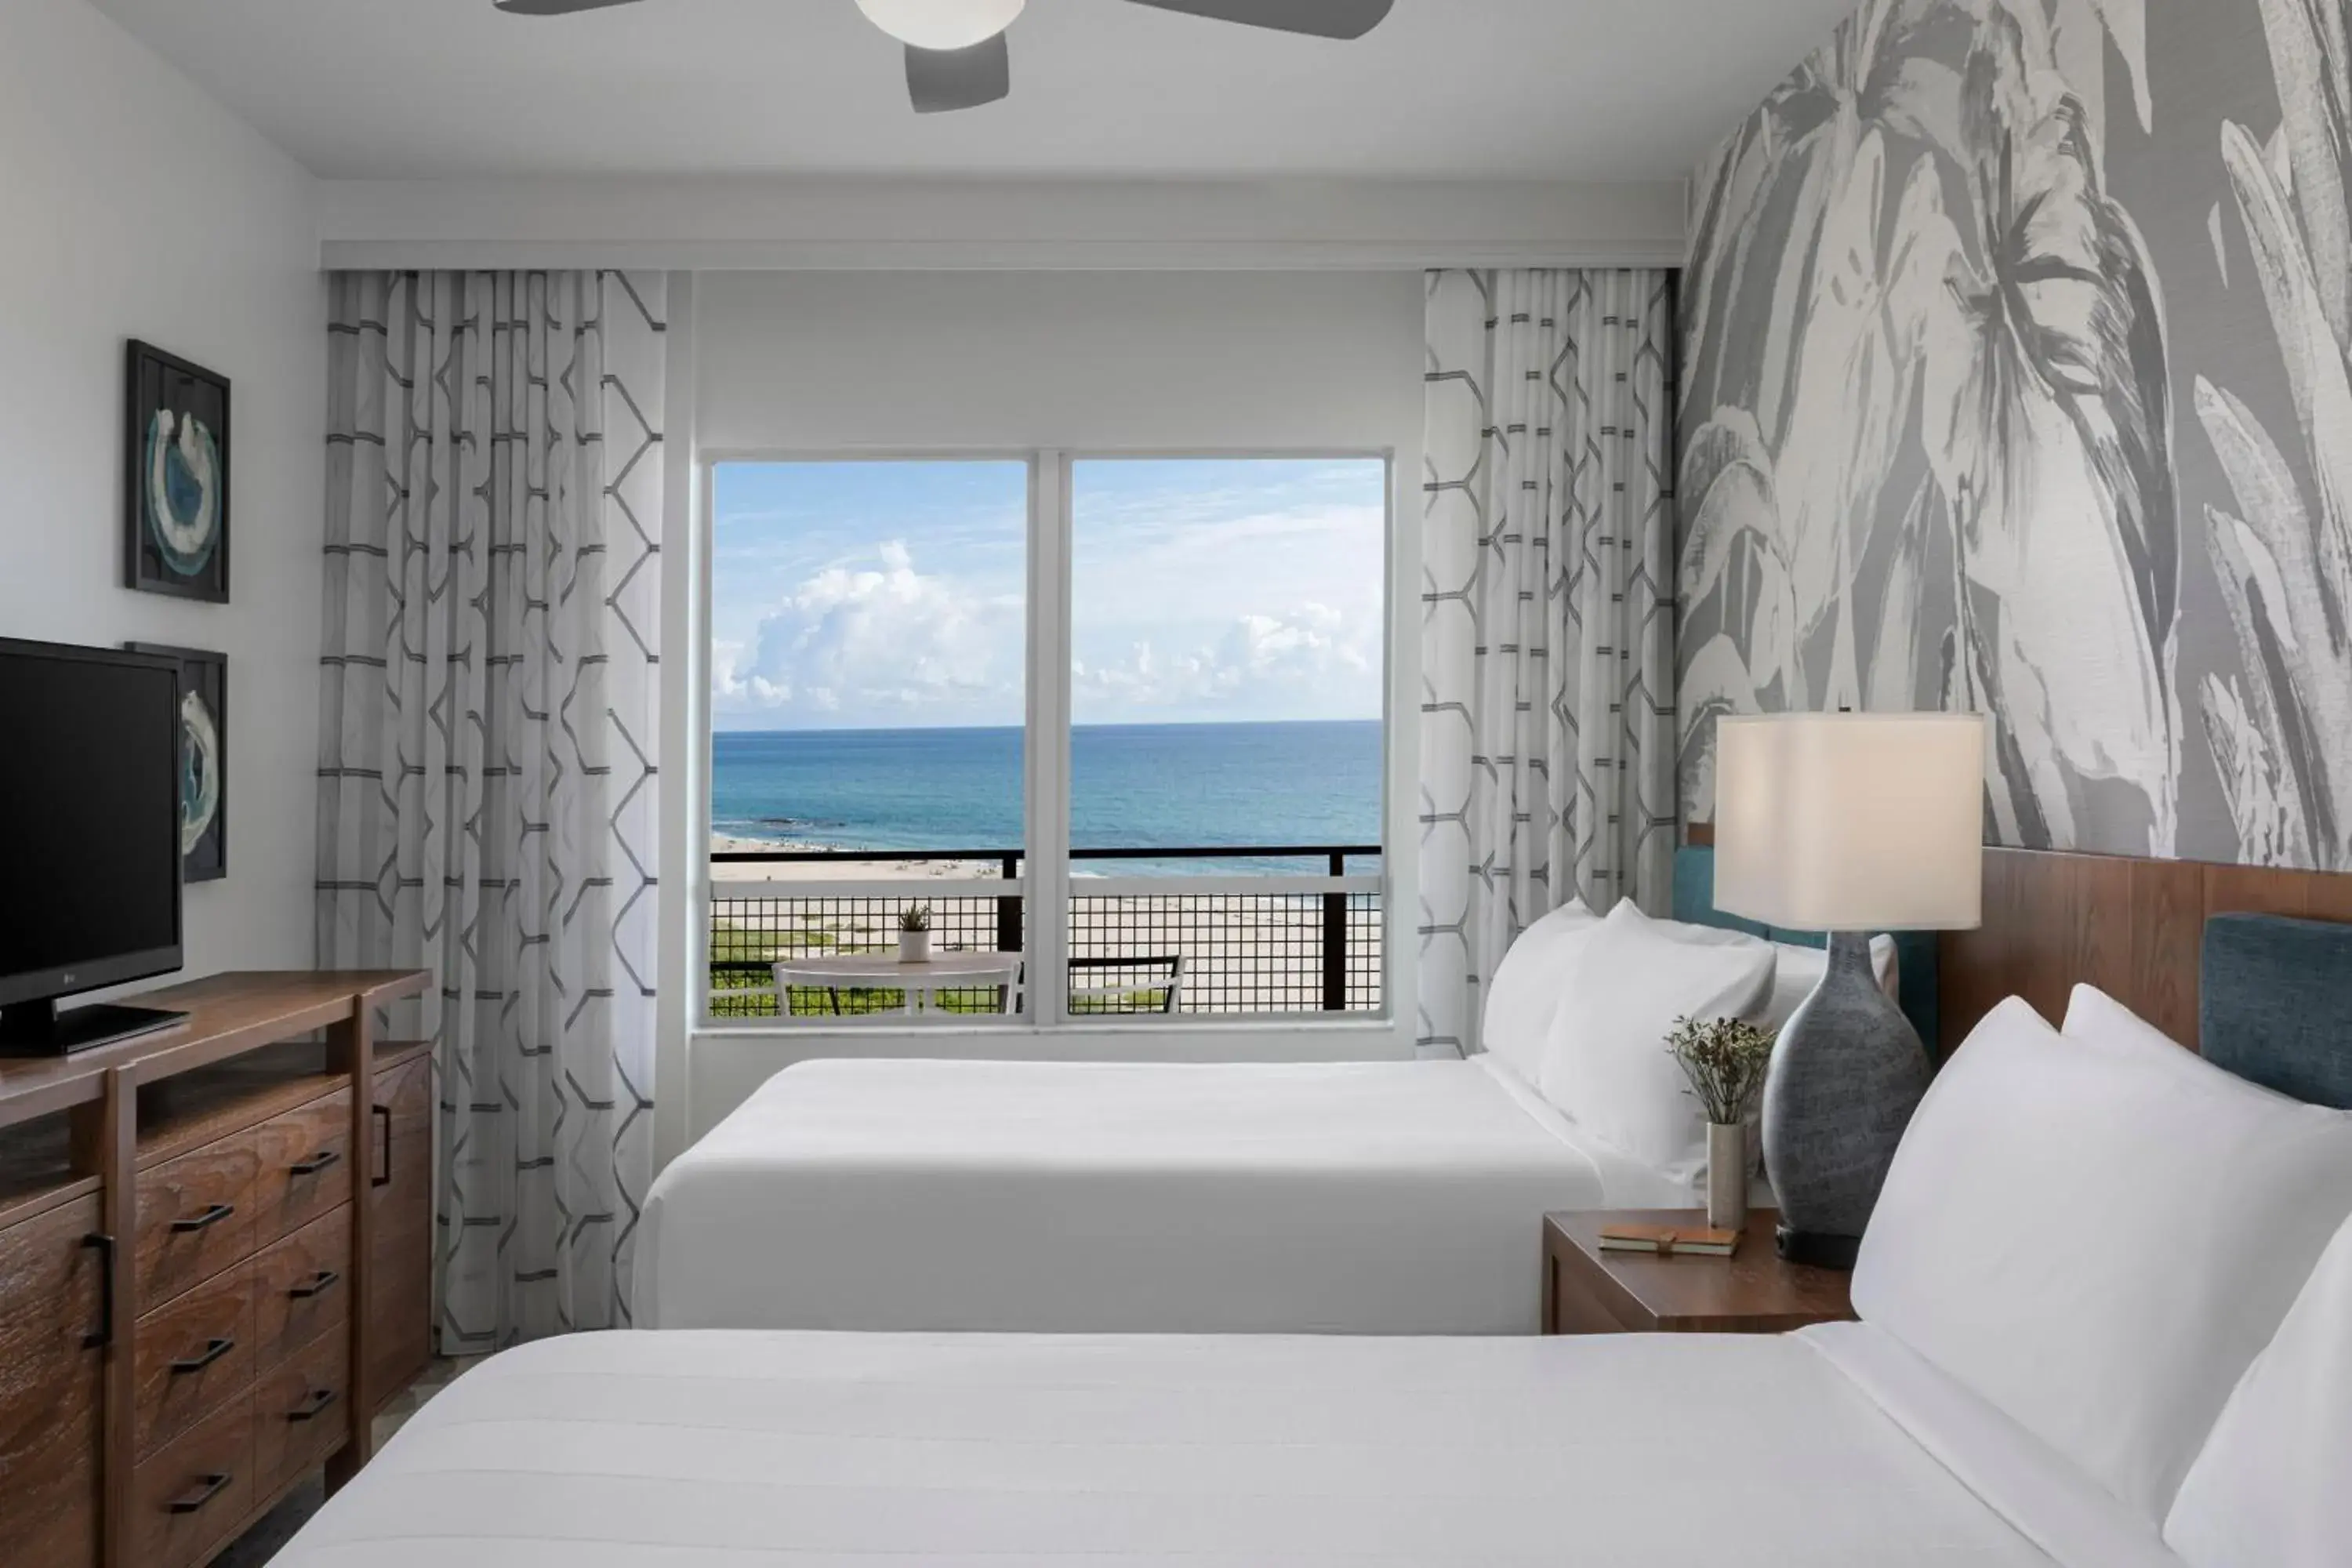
pixel 1669 1240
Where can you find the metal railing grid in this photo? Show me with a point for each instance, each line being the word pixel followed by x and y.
pixel 1245 952
pixel 1248 944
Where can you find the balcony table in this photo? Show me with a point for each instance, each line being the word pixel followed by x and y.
pixel 920 984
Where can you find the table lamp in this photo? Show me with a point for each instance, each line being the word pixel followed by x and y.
pixel 1848 824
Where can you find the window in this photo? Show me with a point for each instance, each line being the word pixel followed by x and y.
pixel 1123 718
pixel 1226 685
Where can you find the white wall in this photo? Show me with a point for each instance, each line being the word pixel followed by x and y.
pixel 132 205
pixel 1218 361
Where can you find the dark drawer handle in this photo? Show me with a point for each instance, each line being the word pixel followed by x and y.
pixel 383 1120
pixel 210 1217
pixel 317 1162
pixel 102 1335
pixel 313 1407
pixel 213 1486
pixel 316 1285
pixel 214 1351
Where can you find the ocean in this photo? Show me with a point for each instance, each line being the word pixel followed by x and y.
pixel 1148 786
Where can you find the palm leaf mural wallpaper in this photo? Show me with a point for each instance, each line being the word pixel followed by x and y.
pixel 2019 378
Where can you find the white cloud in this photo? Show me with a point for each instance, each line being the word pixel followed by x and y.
pixel 1211 569
pixel 731 687
pixel 1312 662
pixel 1188 607
pixel 853 644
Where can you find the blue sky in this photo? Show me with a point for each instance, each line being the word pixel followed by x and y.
pixel 863 595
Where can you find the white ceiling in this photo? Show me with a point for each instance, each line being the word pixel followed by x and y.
pixel 1581 89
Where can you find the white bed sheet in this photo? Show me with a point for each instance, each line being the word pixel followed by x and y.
pixel 729 1451
pixel 1362 1198
pixel 2050 1501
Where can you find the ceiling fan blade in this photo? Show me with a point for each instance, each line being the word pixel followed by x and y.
pixel 943 79
pixel 1316 18
pixel 556 7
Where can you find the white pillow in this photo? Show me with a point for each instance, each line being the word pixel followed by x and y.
pixel 2094 1018
pixel 1797 969
pixel 1606 1064
pixel 2273 1487
pixel 2097 1239
pixel 1525 992
pixel 2097 1018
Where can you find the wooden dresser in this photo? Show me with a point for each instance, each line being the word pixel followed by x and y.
pixel 215 1266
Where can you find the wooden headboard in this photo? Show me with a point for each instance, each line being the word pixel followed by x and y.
pixel 2131 928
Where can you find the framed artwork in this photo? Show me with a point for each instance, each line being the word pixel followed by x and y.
pixel 203 759
pixel 176 463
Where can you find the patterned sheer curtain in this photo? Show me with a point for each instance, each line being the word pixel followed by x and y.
pixel 486 782
pixel 1548 727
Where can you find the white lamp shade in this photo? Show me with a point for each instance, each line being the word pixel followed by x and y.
pixel 942 24
pixel 1839 822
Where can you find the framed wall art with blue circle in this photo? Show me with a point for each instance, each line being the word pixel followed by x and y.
pixel 176 468
pixel 203 760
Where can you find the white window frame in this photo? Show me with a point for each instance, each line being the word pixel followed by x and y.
pixel 1044 884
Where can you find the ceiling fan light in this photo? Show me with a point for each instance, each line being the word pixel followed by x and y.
pixel 942 24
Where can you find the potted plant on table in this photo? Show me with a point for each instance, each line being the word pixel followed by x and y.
pixel 1726 1061
pixel 915 934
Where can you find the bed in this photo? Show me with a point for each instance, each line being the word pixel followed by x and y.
pixel 1389 1197
pixel 730 1450
pixel 1398 1197
pixel 2168 1389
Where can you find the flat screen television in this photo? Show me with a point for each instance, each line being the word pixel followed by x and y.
pixel 90 839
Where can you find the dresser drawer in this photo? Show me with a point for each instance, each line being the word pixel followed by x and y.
pixel 186 1498
pixel 50 1292
pixel 52 1517
pixel 195 1217
pixel 302 1287
pixel 306 1166
pixel 302 1411
pixel 51 1287
pixel 194 1352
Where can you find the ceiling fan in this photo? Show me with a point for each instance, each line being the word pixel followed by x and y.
pixel 956 57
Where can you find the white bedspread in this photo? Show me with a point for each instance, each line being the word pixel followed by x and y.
pixel 1368 1198
pixel 694 1450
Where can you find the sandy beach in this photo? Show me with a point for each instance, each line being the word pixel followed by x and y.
pixel 1242 954
pixel 846 869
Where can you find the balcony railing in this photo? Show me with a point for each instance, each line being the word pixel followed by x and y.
pixel 1222 943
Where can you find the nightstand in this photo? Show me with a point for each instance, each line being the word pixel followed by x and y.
pixel 1588 1291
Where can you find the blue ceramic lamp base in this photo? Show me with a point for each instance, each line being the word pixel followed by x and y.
pixel 1846 1075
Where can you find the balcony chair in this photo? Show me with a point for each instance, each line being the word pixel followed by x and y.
pixel 1165 974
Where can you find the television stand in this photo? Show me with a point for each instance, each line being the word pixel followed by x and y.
pixel 43 1029
pixel 237 1178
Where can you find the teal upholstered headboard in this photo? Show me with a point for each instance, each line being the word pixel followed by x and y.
pixel 2276 1005
pixel 1916 951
